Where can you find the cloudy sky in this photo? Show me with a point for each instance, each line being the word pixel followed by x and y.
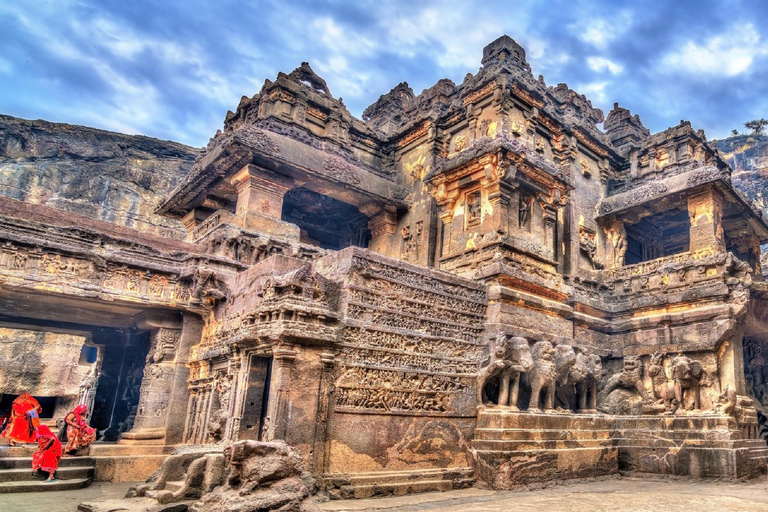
pixel 171 69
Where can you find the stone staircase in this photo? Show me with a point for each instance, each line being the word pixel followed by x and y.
pixel 513 449
pixel 696 445
pixel 16 472
pixel 397 483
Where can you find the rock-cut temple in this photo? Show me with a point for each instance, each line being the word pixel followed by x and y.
pixel 490 283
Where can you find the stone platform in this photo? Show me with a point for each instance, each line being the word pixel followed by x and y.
pixel 513 449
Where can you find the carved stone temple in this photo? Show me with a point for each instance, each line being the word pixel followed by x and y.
pixel 490 283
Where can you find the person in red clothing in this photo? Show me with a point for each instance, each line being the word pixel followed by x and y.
pixel 79 434
pixel 48 453
pixel 24 420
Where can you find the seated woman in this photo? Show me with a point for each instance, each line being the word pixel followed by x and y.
pixel 79 434
pixel 48 453
pixel 24 420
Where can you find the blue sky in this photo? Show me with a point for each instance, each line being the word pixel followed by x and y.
pixel 172 69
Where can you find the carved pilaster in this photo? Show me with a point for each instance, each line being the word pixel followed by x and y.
pixel 325 399
pixel 706 214
pixel 278 402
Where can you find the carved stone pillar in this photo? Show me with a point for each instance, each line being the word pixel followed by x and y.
pixel 260 201
pixel 325 399
pixel 278 401
pixel 156 386
pixel 550 229
pixel 706 214
pixel 383 225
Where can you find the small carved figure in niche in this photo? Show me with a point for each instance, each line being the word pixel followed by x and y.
pixel 524 214
pixel 474 207
pixel 587 244
pixel 686 373
pixel 461 143
pixel 585 168
pixel 510 358
pixel 619 248
pixel 517 128
pixel 539 145
pixel 407 247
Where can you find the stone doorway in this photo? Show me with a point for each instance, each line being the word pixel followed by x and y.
pixel 256 402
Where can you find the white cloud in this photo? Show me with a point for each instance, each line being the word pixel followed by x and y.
pixel 599 32
pixel 594 91
pixel 728 54
pixel 600 64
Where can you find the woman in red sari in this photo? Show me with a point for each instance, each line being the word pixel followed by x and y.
pixel 79 434
pixel 48 453
pixel 25 418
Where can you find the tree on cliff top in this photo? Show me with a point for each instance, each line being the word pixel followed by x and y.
pixel 757 126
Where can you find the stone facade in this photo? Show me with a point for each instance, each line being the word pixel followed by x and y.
pixel 472 285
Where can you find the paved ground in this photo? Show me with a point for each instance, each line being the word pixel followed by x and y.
pixel 610 495
pixel 61 501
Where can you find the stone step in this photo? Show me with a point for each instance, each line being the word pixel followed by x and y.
pixel 26 462
pixel 63 473
pixel 504 419
pixel 506 454
pixel 706 422
pixel 42 486
pixel 522 434
pixel 399 489
pixel 503 445
pixel 119 449
pixel 387 477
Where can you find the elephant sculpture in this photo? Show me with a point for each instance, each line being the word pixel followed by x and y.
pixel 551 366
pixel 586 388
pixel 686 374
pixel 510 358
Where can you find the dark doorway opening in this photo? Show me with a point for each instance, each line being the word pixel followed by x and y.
pixel 256 404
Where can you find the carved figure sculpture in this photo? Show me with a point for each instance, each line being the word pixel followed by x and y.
pixel 510 358
pixel 542 376
pixel 586 374
pixel 686 374
pixel 631 377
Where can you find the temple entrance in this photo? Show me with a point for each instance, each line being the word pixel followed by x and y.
pixel 324 221
pixel 254 416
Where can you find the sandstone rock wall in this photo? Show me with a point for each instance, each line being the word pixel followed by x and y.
pixel 104 175
pixel 748 156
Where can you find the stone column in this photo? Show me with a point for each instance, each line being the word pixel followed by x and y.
pixel 383 226
pixel 260 201
pixel 279 396
pixel 324 401
pixel 550 229
pixel 706 213
pixel 156 387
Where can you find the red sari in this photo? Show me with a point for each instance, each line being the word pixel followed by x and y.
pixel 25 418
pixel 79 434
pixel 48 452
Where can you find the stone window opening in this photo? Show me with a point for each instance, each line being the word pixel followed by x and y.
pixel 658 236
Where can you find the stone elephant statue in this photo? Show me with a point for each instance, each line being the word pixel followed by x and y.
pixel 586 388
pixel 551 366
pixel 510 358
pixel 686 374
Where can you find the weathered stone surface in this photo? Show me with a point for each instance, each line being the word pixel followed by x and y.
pixel 103 175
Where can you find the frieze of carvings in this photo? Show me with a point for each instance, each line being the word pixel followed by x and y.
pixel 420 309
pixel 419 131
pixel 383 287
pixel 340 169
pixel 367 141
pixel 645 192
pixel 701 259
pixel 256 139
pixel 403 361
pixel 399 321
pixel 588 142
pixel 525 95
pixel 316 113
pixel 416 280
pixel 481 93
pixel 707 175
pixel 410 343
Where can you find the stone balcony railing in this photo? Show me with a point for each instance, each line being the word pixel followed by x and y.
pixel 220 217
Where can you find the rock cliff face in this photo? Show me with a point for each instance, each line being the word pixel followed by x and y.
pixel 104 175
pixel 748 156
